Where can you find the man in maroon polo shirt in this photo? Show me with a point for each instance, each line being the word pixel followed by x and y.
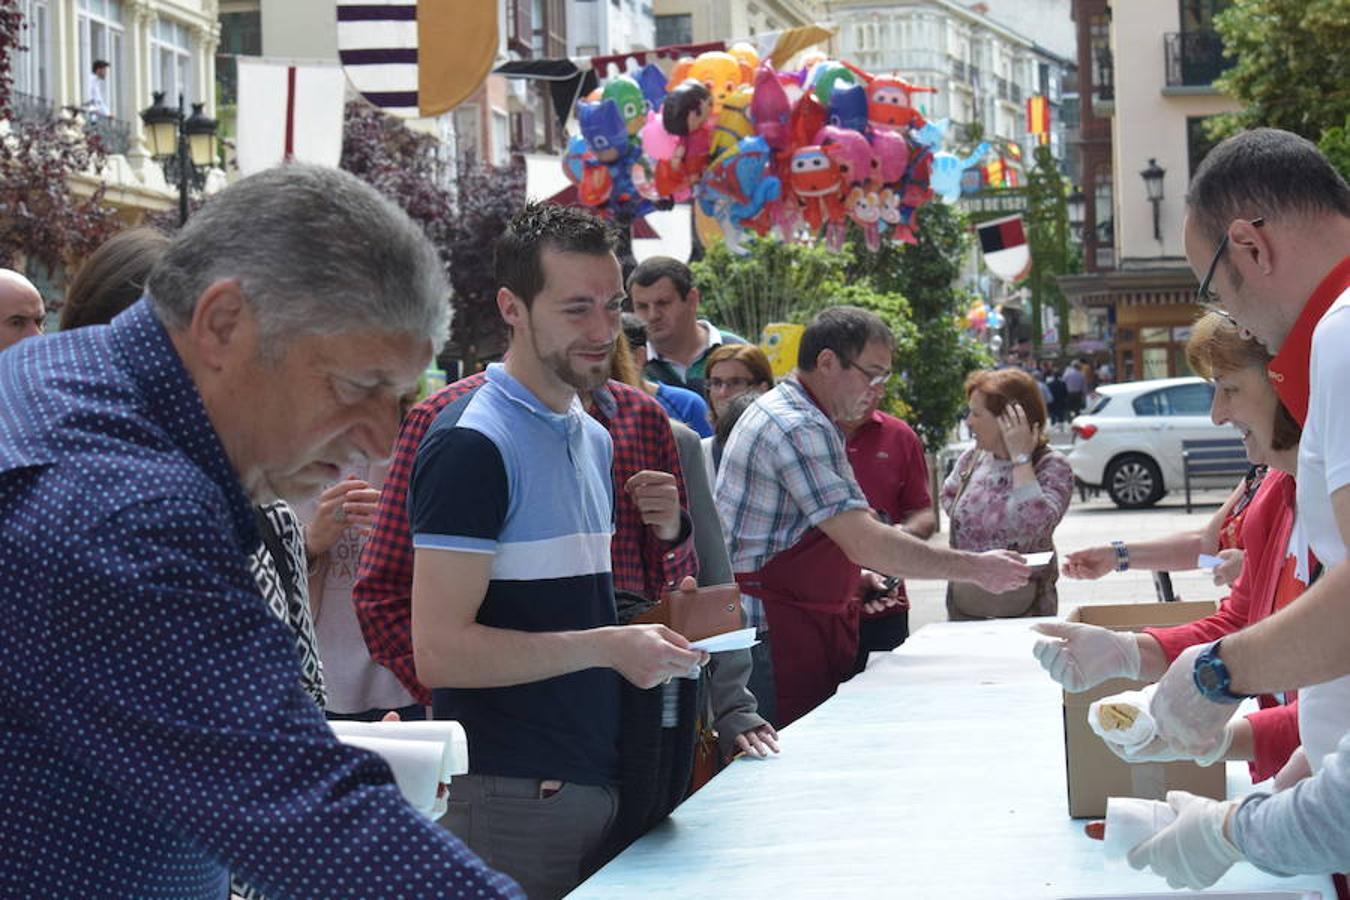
pixel 887 460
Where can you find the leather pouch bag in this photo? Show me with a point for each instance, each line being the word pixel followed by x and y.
pixel 697 614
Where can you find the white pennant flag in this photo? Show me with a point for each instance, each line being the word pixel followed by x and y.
pixel 289 111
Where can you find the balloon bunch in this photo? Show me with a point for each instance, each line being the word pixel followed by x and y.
pixel 802 153
pixel 980 317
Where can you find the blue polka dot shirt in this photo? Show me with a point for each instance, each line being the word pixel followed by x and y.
pixel 153 732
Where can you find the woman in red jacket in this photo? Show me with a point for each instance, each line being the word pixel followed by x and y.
pixel 1277 566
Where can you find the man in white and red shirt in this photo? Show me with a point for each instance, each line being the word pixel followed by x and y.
pixel 1267 232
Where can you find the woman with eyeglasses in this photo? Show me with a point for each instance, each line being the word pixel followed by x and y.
pixel 1009 491
pixel 732 370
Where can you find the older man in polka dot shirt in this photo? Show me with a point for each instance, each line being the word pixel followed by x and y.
pixel 153 732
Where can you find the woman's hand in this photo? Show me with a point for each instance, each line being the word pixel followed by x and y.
pixel 349 503
pixel 1020 437
pixel 1228 571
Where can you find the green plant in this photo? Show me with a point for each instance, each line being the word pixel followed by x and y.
pixel 769 284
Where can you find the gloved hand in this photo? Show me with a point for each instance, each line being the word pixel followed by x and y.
pixel 1193 852
pixel 1186 720
pixel 1160 750
pixel 1083 656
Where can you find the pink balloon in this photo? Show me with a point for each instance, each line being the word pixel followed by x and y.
pixel 658 143
pixel 892 152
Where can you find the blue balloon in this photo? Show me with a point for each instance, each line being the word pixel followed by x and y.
pixel 653 83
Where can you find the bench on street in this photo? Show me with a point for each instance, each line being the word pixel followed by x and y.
pixel 1212 458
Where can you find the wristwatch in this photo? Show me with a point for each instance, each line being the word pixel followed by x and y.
pixel 1212 678
pixel 1021 459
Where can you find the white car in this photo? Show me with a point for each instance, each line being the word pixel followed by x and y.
pixel 1129 442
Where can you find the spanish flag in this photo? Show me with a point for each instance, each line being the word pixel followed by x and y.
pixel 1038 117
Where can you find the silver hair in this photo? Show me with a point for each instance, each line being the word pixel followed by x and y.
pixel 315 250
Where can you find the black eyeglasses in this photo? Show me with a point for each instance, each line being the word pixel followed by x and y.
pixel 1202 296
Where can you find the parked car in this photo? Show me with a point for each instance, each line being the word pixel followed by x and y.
pixel 1129 442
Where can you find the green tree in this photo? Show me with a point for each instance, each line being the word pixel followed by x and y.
pixel 1290 65
pixel 769 284
pixel 1047 221
pixel 925 275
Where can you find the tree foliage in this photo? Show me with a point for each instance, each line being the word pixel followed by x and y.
pixel 769 284
pixel 41 219
pixel 1291 69
pixel 489 197
pixel 912 288
pixel 1047 220
pixel 926 276
pixel 461 219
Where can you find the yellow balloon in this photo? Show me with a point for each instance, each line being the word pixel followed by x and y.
pixel 708 229
pixel 780 343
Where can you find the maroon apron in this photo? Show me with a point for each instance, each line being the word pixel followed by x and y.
pixel 808 592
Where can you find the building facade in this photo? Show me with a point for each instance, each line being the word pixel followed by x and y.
pixel 1148 70
pixel 696 21
pixel 602 28
pixel 150 46
pixel 984 71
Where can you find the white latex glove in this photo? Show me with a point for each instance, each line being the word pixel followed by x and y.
pixel 1082 656
pixel 1159 750
pixel 1186 720
pixel 1193 851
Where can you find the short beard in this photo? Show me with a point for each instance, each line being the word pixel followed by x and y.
pixel 581 382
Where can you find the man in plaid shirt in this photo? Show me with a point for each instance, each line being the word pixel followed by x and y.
pixel 798 524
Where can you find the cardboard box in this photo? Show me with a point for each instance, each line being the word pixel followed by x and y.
pixel 1094 772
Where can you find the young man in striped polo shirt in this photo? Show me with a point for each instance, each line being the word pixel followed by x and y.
pixel 513 616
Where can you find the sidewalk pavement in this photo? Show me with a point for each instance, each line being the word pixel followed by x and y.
pixel 1098 521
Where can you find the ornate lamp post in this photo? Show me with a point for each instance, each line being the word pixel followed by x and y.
pixel 184 145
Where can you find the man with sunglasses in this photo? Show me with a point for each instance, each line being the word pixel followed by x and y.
pixel 1267 231
pixel 798 524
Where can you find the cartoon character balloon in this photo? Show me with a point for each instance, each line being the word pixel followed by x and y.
pixel 947 168
pixel 627 96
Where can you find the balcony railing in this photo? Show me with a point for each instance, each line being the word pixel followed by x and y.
pixel 113 134
pixel 1016 92
pixel 1002 84
pixel 1194 58
pixel 958 69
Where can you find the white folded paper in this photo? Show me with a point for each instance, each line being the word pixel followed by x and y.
pixel 1132 820
pixel 422 756
pixel 1144 728
pixel 1205 561
pixel 1039 559
pixel 740 639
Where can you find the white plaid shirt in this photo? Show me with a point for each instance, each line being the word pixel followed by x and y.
pixel 785 469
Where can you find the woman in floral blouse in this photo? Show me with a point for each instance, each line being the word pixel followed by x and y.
pixel 1008 491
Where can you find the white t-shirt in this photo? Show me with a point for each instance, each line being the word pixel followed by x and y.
pixel 1324 468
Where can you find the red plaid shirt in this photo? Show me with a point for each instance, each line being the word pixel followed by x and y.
pixel 643 563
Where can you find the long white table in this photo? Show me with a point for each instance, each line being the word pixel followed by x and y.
pixel 937 773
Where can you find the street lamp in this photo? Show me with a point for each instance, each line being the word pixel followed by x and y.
pixel 1077 206
pixel 1153 182
pixel 184 145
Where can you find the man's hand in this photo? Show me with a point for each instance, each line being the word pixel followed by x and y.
pixel 657 497
pixel 998 571
pixel 887 599
pixel 1186 720
pixel 351 503
pixel 1193 852
pixel 1094 562
pixel 1228 571
pixel 1082 656
pixel 758 742
pixel 648 655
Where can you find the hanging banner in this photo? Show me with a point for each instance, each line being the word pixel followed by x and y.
pixel 416 59
pixel 1004 244
pixel 288 111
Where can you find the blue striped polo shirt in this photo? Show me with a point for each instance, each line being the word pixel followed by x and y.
pixel 500 473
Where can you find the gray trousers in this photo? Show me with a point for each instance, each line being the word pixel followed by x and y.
pixel 540 842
